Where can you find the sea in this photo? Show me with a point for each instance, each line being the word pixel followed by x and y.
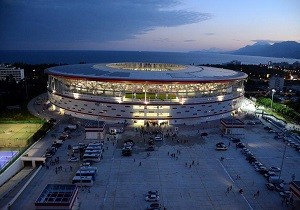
pixel 76 57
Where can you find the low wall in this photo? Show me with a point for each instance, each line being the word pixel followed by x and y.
pixel 13 168
pixel 11 171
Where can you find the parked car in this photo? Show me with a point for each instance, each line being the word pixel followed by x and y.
pixel 270 186
pixel 235 140
pixel 154 206
pixel 240 145
pixel 285 194
pixel 203 134
pixel 221 146
pixel 263 171
pixel 261 168
pixel 158 138
pixel 152 192
pixel 274 169
pixel 279 187
pixel 152 198
pixel 269 173
pixel 73 159
pixel 245 150
pixel 86 163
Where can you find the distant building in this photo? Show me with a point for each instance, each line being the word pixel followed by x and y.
pixel 17 74
pixel 95 130
pixel 232 126
pixel 276 83
pixel 270 65
pixel 234 62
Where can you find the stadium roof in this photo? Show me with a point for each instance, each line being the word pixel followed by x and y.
pixel 151 72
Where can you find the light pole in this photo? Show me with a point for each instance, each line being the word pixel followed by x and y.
pixel 273 91
pixel 98 132
pixel 282 162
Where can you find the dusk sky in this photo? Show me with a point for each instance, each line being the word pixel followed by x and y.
pixel 145 25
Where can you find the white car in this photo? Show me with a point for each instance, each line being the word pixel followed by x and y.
pixel 73 159
pixel 158 138
pixel 274 169
pixel 152 198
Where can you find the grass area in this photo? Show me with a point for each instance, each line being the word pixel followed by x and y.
pixel 152 96
pixel 17 134
pixel 275 114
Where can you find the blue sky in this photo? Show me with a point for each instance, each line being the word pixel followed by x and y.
pixel 146 25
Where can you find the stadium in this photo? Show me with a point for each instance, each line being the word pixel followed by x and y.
pixel 157 93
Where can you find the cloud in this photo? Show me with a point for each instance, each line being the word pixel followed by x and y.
pixel 265 41
pixel 77 21
pixel 190 40
pixel 163 40
pixel 209 34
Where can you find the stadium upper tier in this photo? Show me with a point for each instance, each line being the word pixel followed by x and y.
pixel 150 72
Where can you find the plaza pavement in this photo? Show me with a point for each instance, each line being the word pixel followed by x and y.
pixel 121 182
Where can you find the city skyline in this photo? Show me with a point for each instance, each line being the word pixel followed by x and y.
pixel 168 25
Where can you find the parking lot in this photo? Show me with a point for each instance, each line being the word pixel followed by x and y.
pixel 187 171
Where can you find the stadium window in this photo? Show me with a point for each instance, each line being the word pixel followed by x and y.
pixel 178 112
pixel 122 110
pixel 195 114
pixel 174 108
pixel 113 109
pixel 127 106
pixel 93 109
pixel 187 111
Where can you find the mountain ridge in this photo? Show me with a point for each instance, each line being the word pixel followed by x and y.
pixel 286 49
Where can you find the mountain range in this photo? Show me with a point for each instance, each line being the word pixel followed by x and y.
pixel 286 49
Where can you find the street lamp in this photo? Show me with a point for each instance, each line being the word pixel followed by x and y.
pixel 282 162
pixel 98 123
pixel 273 91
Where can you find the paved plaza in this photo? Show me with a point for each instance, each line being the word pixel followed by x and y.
pixel 187 171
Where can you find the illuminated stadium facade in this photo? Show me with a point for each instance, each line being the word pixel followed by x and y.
pixel 141 92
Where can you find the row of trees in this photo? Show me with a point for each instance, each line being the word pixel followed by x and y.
pixel 280 108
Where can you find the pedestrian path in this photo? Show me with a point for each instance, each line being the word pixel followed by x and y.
pixel 12 184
